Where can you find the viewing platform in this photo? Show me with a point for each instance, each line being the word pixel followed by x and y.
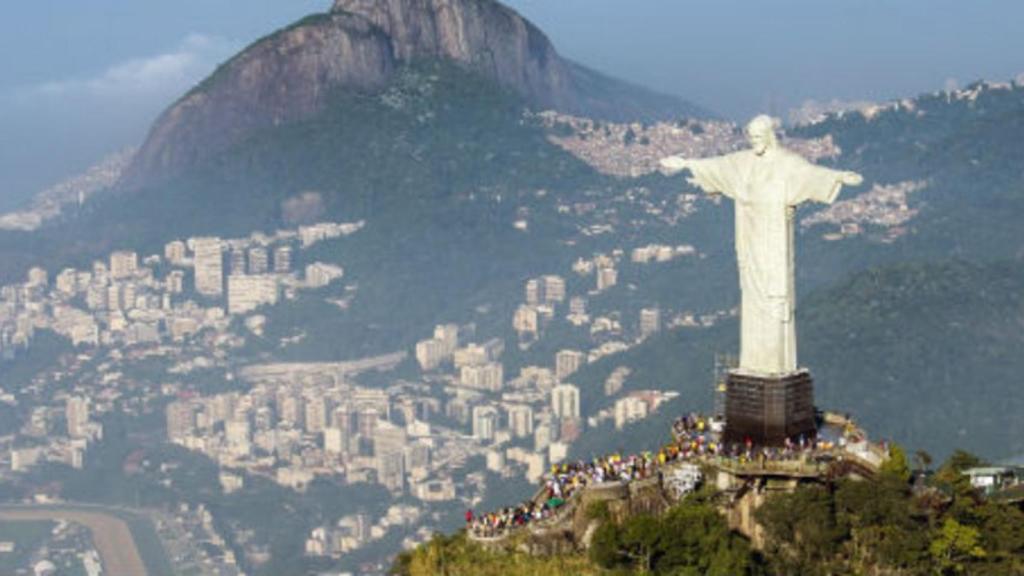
pixel 560 516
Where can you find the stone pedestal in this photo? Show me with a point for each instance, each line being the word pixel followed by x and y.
pixel 769 409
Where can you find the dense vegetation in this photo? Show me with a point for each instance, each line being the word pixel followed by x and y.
pixel 853 527
pixel 897 523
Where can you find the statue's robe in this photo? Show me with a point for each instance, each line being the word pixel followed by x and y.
pixel 766 190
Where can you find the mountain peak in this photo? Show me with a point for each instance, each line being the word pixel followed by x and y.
pixel 358 45
pixel 482 34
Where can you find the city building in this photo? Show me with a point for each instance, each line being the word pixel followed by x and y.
pixel 237 261
pixel 554 289
pixel 485 423
pixel 175 252
pixel 259 260
pixel 283 259
pixel 578 306
pixel 532 292
pixel 123 264
pixel 247 293
pixel 606 278
pixel 174 283
pixel 76 412
pixel 520 420
pixel 209 266
pixel 433 352
pixel 525 321
pixel 628 410
pixel 650 322
pixel 567 362
pixel 181 420
pixel 37 278
pixel 565 401
pixel 490 376
pixel 335 441
pixel 319 274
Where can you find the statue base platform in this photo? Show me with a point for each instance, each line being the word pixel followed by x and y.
pixel 768 409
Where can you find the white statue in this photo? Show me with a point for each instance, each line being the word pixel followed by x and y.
pixel 767 183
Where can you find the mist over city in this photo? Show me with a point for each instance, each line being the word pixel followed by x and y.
pixel 420 287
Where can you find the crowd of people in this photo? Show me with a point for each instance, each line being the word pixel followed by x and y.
pixel 693 437
pixel 696 438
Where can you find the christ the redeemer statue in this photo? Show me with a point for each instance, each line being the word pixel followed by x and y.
pixel 767 183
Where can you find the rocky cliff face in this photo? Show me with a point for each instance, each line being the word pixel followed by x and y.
pixel 482 34
pixel 290 75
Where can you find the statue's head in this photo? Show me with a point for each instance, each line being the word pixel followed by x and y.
pixel 761 134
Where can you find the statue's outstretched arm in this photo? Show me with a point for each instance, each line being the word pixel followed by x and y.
pixel 673 165
pixel 851 178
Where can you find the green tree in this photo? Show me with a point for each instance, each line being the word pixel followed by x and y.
pixel 897 465
pixel 955 546
pixel 802 534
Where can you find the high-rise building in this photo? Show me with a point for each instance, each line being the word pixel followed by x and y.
pixel 565 401
pixel 175 282
pixel 388 439
pixel 319 274
pixel 429 354
pixel 283 259
pixel 209 266
pixel 490 376
pixel 335 440
pixel 114 301
pixel 567 362
pixel 100 273
pixel 259 261
pixel 471 355
pixel 532 292
pixel 96 297
pixel 578 305
pixel 38 277
pixel 181 420
pixel 237 261
pixel 129 296
pixel 448 335
pixel 629 409
pixel 316 414
pixel 606 278
pixel 366 421
pixel 247 293
pixel 520 420
pixel 76 411
pixel 650 321
pixel 123 264
pixel 391 471
pixel 525 320
pixel 485 423
pixel 290 409
pixel 343 418
pixel 238 433
pixel 67 281
pixel 554 289
pixel 175 252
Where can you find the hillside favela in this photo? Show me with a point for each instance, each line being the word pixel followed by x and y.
pixel 508 287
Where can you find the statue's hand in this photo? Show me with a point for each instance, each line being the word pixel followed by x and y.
pixel 852 179
pixel 673 165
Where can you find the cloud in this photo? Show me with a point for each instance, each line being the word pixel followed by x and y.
pixel 55 129
pixel 194 57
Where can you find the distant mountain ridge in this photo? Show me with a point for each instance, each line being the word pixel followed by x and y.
pixel 292 74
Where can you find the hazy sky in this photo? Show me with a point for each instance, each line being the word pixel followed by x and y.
pixel 84 78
